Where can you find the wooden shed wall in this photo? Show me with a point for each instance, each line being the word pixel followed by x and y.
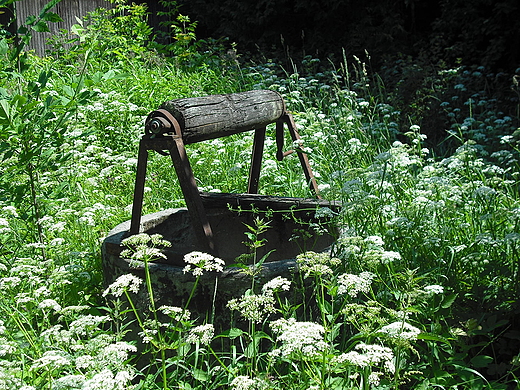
pixel 68 11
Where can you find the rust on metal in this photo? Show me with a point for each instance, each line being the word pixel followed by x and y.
pixel 207 118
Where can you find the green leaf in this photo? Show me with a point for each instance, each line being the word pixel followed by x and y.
pixel 232 333
pixel 252 349
pixel 5 110
pixel 432 337
pixel 52 17
pixel 41 26
pixel 47 7
pixel 448 301
pixel 4 47
pixel 200 375
pixel 68 90
pixel 29 21
pixel 481 361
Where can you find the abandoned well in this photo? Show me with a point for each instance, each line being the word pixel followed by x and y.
pixel 217 223
pixel 293 228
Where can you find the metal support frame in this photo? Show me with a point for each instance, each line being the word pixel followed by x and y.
pixel 164 135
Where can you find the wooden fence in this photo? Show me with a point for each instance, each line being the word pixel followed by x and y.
pixel 68 11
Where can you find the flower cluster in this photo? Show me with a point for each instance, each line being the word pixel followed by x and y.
pixel 202 334
pixel 144 247
pixel 123 284
pixel 176 313
pixel 317 264
pixel 400 330
pixel 276 285
pixel 354 284
pixel 253 307
pixel 198 262
pixel 299 340
pixel 370 355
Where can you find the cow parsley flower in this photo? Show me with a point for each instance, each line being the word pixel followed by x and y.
pixel 7 347
pixel 434 289
pixel 390 256
pixel 52 360
pixel 275 285
pixel 176 313
pixel 4 225
pixel 123 283
pixel 316 264
pixel 202 334
pixel 198 262
pixel 298 339
pixel 68 382
pixel 84 325
pixel 144 247
pixel 368 355
pixel 117 353
pixel 353 284
pixel 243 382
pixel 49 304
pixel 400 330
pixel 106 380
pixel 253 307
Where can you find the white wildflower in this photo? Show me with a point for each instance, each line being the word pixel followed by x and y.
pixel 49 304
pixel 299 339
pixel 105 380
pixel 86 324
pixel 11 210
pixel 4 225
pixel 243 382
pixel 390 256
pixel 176 313
pixel 253 307
pixel 369 355
pixel 312 263
pixel 374 378
pixel 202 334
pixel 400 330
pixel 7 347
pixel 85 362
pixel 116 353
pixel 275 285
pixel 376 241
pixel 434 289
pixel 198 262
pixel 123 283
pixel 68 382
pixel 353 284
pixel 147 335
pixel 52 360
pixel 324 212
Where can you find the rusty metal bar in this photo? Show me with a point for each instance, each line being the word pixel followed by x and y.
pixel 137 207
pixel 304 160
pixel 256 161
pixel 191 194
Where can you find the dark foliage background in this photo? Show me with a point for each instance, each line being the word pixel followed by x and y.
pixel 484 32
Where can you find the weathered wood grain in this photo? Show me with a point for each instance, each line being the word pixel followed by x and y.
pixel 214 116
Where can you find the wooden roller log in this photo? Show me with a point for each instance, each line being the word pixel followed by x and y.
pixel 214 116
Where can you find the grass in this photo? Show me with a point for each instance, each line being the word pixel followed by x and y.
pixel 421 288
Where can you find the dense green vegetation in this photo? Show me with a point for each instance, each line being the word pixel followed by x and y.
pixel 420 291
